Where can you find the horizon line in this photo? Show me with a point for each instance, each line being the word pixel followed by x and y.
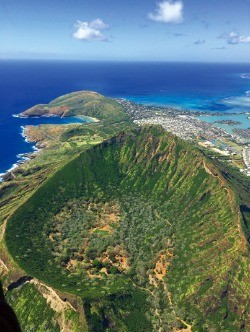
pixel 124 61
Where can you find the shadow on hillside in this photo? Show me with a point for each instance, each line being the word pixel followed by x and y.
pixel 8 320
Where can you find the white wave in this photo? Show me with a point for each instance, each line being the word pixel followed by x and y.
pixel 14 166
pixel 23 134
pixel 243 101
pixel 36 150
pixel 22 157
pixel 26 117
pixel 245 76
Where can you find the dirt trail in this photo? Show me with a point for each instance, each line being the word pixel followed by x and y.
pixel 188 326
pixel 3 266
pixel 158 216
pixel 52 298
pixel 153 295
pixel 188 329
pixel 208 170
pixel 229 191
pixel 2 230
pixel 231 199
pixel 56 303
pixel 159 279
pixel 160 329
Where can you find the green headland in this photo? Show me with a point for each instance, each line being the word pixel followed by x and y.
pixel 83 103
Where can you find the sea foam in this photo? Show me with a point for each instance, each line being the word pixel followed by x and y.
pixel 245 76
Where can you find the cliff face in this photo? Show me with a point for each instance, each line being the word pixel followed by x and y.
pixel 143 228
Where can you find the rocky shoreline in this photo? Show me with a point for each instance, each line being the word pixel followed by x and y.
pixel 22 157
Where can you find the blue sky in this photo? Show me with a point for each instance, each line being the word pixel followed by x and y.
pixel 140 30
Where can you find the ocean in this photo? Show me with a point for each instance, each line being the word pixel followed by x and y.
pixel 223 88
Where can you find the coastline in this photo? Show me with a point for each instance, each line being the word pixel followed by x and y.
pixel 90 118
pixel 22 157
pixel 81 117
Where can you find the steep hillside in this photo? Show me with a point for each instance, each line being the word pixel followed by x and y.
pixel 145 229
pixel 82 103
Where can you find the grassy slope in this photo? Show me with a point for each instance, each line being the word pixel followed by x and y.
pixel 207 278
pixel 32 310
pixel 62 143
pixel 241 185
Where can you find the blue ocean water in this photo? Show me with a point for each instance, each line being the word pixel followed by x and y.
pixel 196 86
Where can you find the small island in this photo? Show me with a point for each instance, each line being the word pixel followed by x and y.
pixel 228 122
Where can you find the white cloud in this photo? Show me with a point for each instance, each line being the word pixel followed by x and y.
pixel 235 38
pixel 219 48
pixel 200 42
pixel 90 30
pixel 168 12
pixel 98 24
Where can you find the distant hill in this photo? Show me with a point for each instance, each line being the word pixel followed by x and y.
pixel 144 229
pixel 82 103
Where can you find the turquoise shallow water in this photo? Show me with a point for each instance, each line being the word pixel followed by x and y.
pixel 203 103
pixel 242 118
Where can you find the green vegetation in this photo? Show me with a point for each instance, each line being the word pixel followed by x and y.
pixel 241 185
pixel 32 310
pixel 145 229
pixel 60 143
pixel 82 103
pixel 121 312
